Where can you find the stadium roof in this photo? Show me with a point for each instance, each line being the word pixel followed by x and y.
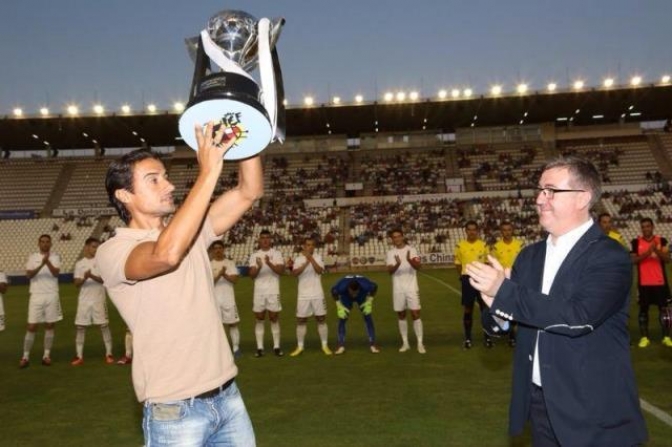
pixel 594 106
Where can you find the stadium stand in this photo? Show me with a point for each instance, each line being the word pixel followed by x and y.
pixel 403 184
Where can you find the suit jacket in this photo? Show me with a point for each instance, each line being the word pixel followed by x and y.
pixel 584 347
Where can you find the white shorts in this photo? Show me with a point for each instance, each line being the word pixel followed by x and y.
pixel 308 308
pixel 270 303
pixel 44 308
pixel 2 315
pixel 229 315
pixel 406 300
pixel 228 311
pixel 91 312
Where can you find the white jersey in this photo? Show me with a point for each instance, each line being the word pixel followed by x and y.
pixel 43 282
pixel 267 281
pixel 310 282
pixel 90 289
pixel 3 278
pixel 223 288
pixel 404 279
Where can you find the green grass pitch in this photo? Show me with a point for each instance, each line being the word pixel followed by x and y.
pixel 448 397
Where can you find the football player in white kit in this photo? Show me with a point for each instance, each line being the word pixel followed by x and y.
pixel 91 304
pixel 3 289
pixel 402 263
pixel 44 305
pixel 308 267
pixel 225 275
pixel 266 266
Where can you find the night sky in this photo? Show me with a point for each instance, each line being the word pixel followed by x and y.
pixel 121 51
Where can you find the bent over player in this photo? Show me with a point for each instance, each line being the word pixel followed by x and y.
pixel 347 291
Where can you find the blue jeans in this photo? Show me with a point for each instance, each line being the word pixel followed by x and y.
pixel 214 421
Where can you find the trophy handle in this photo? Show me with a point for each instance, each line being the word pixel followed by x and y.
pixel 201 67
pixel 269 73
pixel 280 132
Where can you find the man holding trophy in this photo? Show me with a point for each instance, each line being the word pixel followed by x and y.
pixel 158 275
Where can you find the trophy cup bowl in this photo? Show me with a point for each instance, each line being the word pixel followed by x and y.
pixel 231 97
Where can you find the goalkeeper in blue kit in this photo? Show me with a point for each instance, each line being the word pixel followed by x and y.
pixel 347 291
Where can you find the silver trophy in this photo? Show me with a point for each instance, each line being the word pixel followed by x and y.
pixel 224 91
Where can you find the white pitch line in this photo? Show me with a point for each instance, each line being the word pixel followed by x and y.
pixel 453 289
pixel 666 418
pixel 657 412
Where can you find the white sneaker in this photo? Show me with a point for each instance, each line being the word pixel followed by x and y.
pixel 404 348
pixel 340 350
pixel 421 349
pixel 374 349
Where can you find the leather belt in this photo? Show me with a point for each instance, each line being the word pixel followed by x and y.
pixel 215 391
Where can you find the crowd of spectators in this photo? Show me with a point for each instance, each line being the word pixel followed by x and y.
pixel 294 182
pixel 400 174
pixel 289 224
pixel 603 158
pixel 510 169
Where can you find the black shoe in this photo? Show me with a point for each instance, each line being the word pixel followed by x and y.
pixel 278 352
pixel 259 353
pixel 488 343
pixel 466 344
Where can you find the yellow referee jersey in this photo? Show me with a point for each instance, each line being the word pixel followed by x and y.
pixel 615 235
pixel 466 252
pixel 506 253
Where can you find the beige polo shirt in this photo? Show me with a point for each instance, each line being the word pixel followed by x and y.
pixel 179 346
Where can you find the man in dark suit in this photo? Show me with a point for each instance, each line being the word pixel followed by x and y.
pixel 572 373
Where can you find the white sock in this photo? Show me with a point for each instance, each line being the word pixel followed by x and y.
pixel 28 341
pixel 275 330
pixel 417 327
pixel 234 333
pixel 323 330
pixel 259 333
pixel 300 334
pixel 107 339
pixel 128 344
pixel 48 342
pixel 403 330
pixel 79 341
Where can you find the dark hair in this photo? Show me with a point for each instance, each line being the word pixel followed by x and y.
pixel 583 174
pixel 120 176
pixel 601 215
pixel 505 222
pixel 217 244
pixel 353 286
pixel 91 240
pixel 48 236
pixel 646 219
pixel 471 222
pixel 264 232
pixel 394 230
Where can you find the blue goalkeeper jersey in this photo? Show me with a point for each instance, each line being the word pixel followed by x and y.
pixel 366 288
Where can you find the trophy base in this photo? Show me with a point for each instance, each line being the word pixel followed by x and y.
pixel 247 124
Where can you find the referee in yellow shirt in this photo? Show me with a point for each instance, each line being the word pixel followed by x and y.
pixel 604 220
pixel 468 250
pixel 506 249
